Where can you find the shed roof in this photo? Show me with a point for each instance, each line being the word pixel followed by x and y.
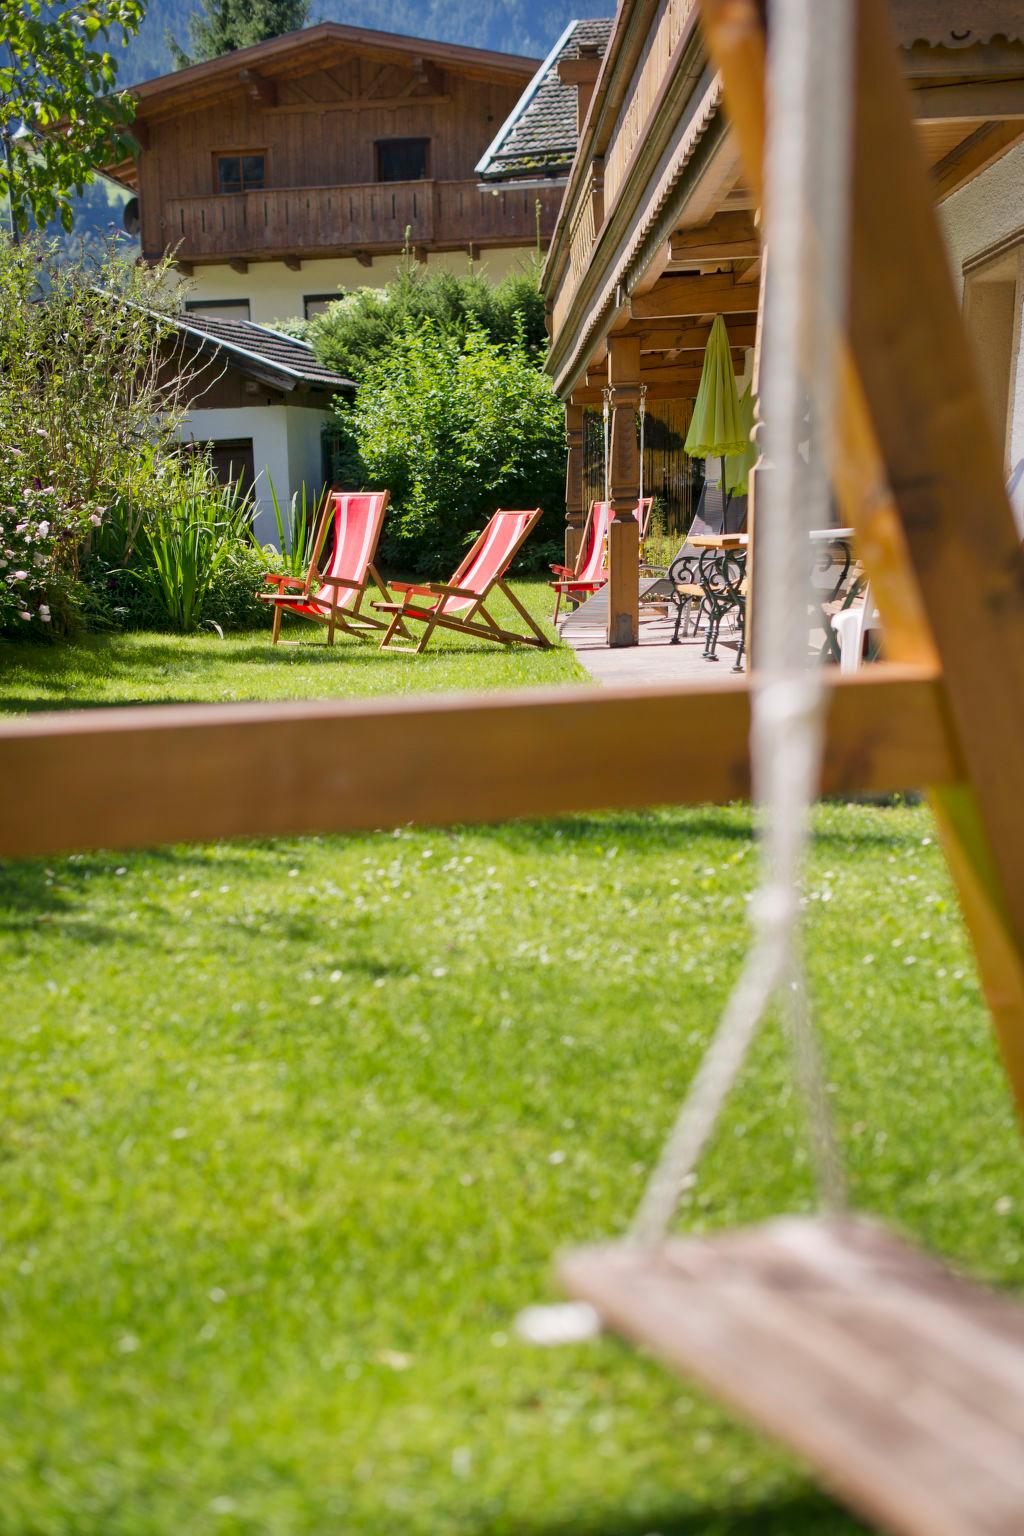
pixel 539 139
pixel 261 352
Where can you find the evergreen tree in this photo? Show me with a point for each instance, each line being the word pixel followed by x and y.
pixel 224 25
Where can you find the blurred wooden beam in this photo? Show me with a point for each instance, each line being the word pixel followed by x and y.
pixel 137 777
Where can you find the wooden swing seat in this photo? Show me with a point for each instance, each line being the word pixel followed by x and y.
pixel 901 1381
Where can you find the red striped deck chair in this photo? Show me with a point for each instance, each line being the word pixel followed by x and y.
pixel 643 515
pixel 459 604
pixel 591 571
pixel 334 596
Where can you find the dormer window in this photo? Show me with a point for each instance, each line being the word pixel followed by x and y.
pixel 241 173
pixel 403 159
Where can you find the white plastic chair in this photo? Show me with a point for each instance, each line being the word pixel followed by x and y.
pixel 851 627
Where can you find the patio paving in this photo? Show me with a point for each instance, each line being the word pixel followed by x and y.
pixel 652 663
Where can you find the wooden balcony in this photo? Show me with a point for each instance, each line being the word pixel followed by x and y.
pixel 375 217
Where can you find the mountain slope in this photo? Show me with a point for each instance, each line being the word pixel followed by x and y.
pixel 513 26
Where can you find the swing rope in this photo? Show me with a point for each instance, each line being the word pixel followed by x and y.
pixel 807 179
pixel 807 174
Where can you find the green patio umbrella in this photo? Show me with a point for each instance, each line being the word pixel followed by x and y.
pixel 716 428
pixel 739 465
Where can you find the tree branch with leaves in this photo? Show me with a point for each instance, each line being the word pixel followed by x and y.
pixel 60 114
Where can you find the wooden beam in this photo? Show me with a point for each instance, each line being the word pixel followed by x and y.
pixel 258 87
pixel 588 395
pixel 663 335
pixel 239 265
pixel 293 263
pixel 139 131
pixel 980 101
pixel 364 258
pixel 726 237
pixel 137 777
pixel 977 152
pixel 186 268
pixel 682 297
pixel 428 74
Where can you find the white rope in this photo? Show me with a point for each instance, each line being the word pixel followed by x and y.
pixel 643 419
pixel 807 188
pixel 808 178
pixel 607 394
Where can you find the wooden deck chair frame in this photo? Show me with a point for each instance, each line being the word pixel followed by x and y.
pixel 942 713
pixel 303 588
pixel 472 621
pixel 568 581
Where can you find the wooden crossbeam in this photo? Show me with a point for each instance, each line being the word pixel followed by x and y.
pixel 121 778
pixel 978 101
pixel 680 297
pixel 726 237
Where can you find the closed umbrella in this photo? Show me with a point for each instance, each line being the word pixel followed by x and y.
pixel 739 465
pixel 716 428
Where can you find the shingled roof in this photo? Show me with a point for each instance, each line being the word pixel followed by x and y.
pixel 539 139
pixel 267 355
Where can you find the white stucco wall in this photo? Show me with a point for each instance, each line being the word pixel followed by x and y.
pixel 989 209
pixel 276 293
pixel 285 451
pixel 976 220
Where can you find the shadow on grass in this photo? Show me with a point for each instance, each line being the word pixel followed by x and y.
pixel 809 1514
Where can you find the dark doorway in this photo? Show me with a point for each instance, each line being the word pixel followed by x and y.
pixel 232 462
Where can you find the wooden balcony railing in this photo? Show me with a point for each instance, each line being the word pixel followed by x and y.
pixel 283 221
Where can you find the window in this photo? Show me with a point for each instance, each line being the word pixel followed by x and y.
pixel 315 303
pixel 402 159
pixel 241 173
pixel 218 309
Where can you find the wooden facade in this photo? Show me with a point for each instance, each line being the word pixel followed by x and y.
pixel 658 230
pixel 316 117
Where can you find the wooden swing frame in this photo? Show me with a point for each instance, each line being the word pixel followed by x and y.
pixel 920 480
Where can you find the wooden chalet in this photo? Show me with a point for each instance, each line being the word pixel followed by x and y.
pixel 281 172
pixel 658 230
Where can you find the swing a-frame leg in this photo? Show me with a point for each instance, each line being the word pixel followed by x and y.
pixel 902 1383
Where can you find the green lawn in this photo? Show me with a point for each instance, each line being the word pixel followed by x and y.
pixel 151 668
pixel 293 1129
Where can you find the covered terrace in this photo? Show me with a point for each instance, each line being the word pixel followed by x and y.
pixel 658 232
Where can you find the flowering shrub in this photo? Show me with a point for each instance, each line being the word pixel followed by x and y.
pixel 85 413
pixel 40 536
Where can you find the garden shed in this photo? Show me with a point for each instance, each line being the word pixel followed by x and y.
pixel 259 400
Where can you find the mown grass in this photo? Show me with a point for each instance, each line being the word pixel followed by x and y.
pixel 142 667
pixel 293 1129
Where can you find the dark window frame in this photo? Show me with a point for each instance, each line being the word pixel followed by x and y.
pixel 319 298
pixel 403 139
pixel 241 155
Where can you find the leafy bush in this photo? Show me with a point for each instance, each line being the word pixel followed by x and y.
pixel 231 599
pixel 362 328
pixel 455 427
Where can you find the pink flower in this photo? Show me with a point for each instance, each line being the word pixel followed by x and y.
pixel 44 613
pixel 95 519
pixel 26 616
pixel 20 576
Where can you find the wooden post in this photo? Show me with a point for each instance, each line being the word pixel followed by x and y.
pixel 624 490
pixel 575 512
